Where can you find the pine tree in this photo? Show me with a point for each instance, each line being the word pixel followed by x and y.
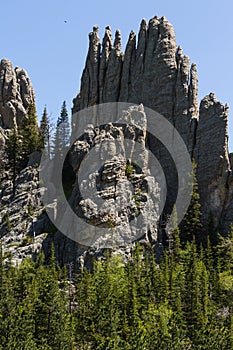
pixel 191 225
pixel 225 265
pixel 45 133
pixel 21 142
pixel 29 132
pixel 51 306
pixel 62 134
pixel 225 251
pixel 174 244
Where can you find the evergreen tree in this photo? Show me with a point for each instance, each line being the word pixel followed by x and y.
pixel 29 132
pixel 21 142
pixel 62 134
pixel 134 304
pixel 45 133
pixel 191 225
pixel 51 306
pixel 174 244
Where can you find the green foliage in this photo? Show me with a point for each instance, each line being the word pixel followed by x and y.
pixel 33 307
pixel 129 170
pixel 30 210
pixel 45 133
pixel 183 302
pixel 62 134
pixel 21 142
pixel 27 240
pixel 30 136
pixel 137 201
pixel 191 225
pixel 6 220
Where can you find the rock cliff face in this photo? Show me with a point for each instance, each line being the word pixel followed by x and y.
pixel 21 215
pixel 22 220
pixel 16 94
pixel 154 71
pixel 118 173
pixel 115 195
pixel 211 155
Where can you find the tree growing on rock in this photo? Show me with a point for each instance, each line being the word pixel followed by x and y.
pixel 191 226
pixel 62 133
pixel 30 135
pixel 45 133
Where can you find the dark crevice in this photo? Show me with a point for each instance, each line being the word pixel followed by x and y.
pixel 227 198
pixel 193 130
pixel 3 84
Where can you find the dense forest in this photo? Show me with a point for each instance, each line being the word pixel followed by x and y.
pixel 183 302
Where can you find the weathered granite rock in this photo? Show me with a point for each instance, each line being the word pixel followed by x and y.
pixel 122 181
pixel 2 154
pixel 120 195
pixel 155 72
pixel 23 223
pixel 211 155
pixel 16 94
pixel 226 222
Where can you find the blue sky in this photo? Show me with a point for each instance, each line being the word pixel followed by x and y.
pixel 34 36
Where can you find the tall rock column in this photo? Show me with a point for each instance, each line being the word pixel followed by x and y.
pixel 154 72
pixel 151 71
pixel 89 95
pixel 211 155
pixel 16 94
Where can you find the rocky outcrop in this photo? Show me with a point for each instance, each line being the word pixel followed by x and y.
pixel 211 155
pixel 115 196
pixel 23 221
pixel 2 154
pixel 16 94
pixel 152 72
pixel 155 72
pixel 117 178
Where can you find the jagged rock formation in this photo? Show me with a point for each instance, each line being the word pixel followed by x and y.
pixel 22 216
pixel 118 174
pixel 115 195
pixel 211 155
pixel 152 71
pixel 16 94
pixel 155 72
pixel 2 154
